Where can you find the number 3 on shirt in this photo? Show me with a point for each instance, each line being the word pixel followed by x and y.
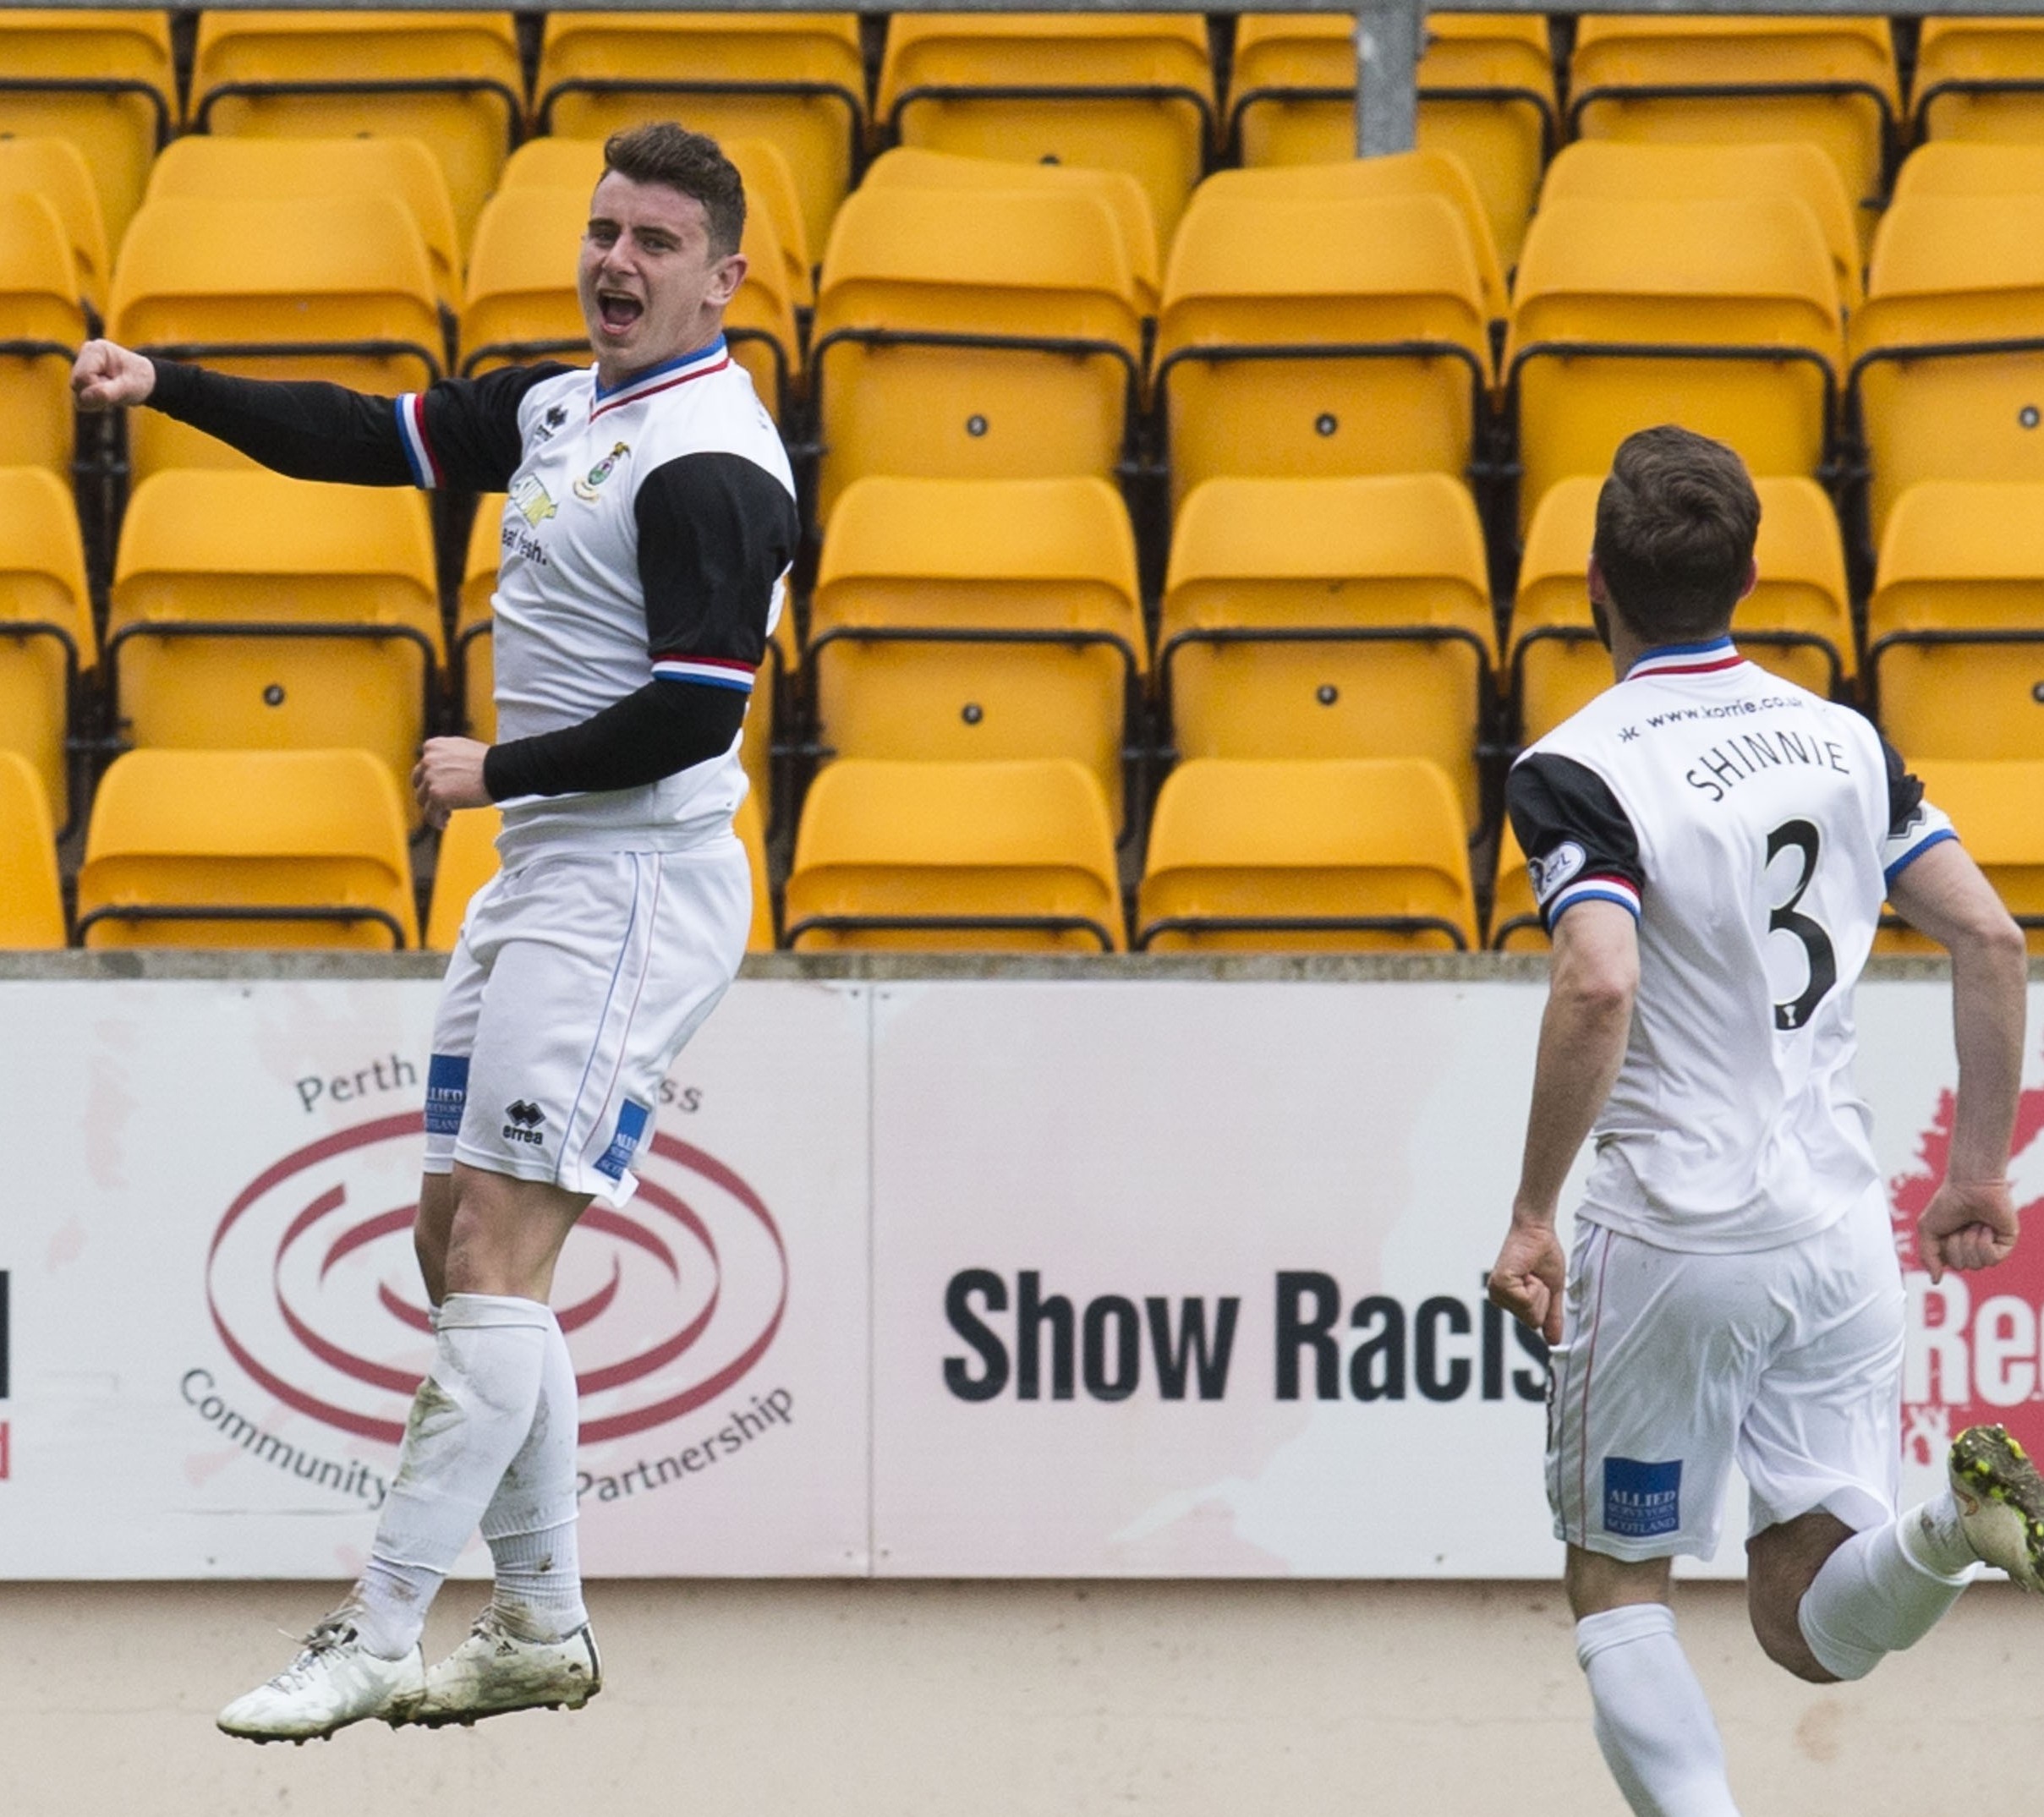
pixel 1802 836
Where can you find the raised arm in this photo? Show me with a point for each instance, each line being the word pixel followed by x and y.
pixel 1970 1222
pixel 461 432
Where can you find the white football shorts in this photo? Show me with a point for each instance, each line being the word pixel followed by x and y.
pixel 1674 1365
pixel 576 980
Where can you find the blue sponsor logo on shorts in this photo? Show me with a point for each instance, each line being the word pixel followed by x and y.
pixel 1641 1499
pixel 447 1092
pixel 631 1125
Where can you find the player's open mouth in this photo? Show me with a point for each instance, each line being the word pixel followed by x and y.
pixel 616 311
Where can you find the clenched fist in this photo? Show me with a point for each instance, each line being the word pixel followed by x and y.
pixel 106 377
pixel 448 775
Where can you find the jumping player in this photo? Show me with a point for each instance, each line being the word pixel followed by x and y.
pixel 1711 847
pixel 650 520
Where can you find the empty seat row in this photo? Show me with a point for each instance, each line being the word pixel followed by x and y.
pixel 1487 84
pixel 254 849
pixel 1004 619
pixel 307 849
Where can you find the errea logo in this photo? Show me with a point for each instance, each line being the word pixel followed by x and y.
pixel 523 1122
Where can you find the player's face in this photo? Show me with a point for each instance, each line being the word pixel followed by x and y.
pixel 651 287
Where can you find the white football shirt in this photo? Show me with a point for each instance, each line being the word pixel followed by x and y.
pixel 1752 829
pixel 646 536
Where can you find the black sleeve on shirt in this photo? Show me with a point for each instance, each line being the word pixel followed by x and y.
pixel 663 727
pixel 1904 791
pixel 1556 803
pixel 307 429
pixel 715 533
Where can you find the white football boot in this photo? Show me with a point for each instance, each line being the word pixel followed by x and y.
pixel 333 1681
pixel 495 1671
pixel 2001 1502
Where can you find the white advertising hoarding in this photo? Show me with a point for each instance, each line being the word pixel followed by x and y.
pixel 999 1278
pixel 217 1322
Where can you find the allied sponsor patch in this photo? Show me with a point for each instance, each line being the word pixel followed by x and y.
pixel 447 1092
pixel 1641 1500
pixel 624 1143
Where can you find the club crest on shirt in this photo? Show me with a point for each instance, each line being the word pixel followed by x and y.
pixel 533 499
pixel 585 487
pixel 1556 868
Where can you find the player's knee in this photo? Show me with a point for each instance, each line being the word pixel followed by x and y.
pixel 1781 1639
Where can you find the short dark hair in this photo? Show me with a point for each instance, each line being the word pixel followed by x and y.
pixel 694 163
pixel 1675 526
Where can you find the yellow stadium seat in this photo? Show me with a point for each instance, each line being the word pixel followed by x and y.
pixel 1720 316
pixel 343 291
pixel 247 848
pixel 102 78
pixel 31 901
pixel 252 612
pixel 1962 275
pixel 56 170
pixel 762 166
pixel 1486 98
pixel 1830 81
pixel 47 640
pixel 1131 92
pixel 209 169
pixel 910 168
pixel 1042 284
pixel 798 80
pixel 1955 627
pixel 1016 856
pixel 43 324
pixel 451 80
pixel 1981 79
pixel 1381 297
pixel 1399 173
pixel 1998 810
pixel 521 304
pixel 1299 856
pixel 1515 925
pixel 1959 167
pixel 466 860
pixel 1620 170
pixel 1330 618
pixel 475 670
pixel 970 619
pixel 1797 621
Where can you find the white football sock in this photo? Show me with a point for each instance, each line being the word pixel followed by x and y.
pixel 530 1521
pixel 1934 1537
pixel 1874 1597
pixel 471 1415
pixel 1653 1722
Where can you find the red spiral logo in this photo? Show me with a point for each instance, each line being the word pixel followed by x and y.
pixel 669 1302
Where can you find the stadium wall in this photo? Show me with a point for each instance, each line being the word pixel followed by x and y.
pixel 1148 1130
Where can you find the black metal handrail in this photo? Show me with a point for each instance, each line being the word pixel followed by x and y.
pixel 140 911
pixel 954 924
pixel 259 91
pixel 1508 93
pixel 1148 931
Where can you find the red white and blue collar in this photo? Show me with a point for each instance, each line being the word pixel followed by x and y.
pixel 664 377
pixel 1686 659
